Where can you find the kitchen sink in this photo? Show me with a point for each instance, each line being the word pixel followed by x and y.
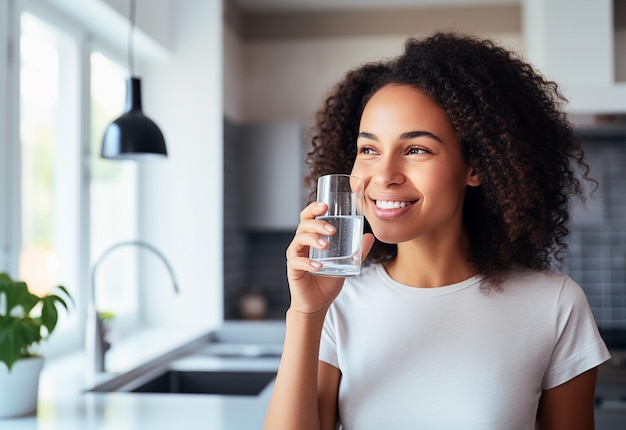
pixel 230 363
pixel 207 382
pixel 238 350
pixel 173 380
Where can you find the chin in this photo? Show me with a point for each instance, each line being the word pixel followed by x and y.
pixel 391 238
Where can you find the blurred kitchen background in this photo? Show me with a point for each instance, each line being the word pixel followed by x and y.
pixel 281 57
pixel 234 86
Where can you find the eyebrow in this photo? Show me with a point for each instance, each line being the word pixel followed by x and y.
pixel 404 136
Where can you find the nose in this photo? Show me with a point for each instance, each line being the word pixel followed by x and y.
pixel 388 172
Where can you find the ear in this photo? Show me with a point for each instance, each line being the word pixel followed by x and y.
pixel 473 177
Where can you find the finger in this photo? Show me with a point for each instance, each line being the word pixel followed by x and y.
pixel 298 267
pixel 303 264
pixel 317 226
pixel 312 210
pixel 303 242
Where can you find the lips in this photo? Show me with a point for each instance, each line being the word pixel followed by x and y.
pixel 390 209
pixel 388 204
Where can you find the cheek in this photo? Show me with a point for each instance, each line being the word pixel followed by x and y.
pixel 358 171
pixel 440 182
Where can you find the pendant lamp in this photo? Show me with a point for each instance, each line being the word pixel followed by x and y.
pixel 133 135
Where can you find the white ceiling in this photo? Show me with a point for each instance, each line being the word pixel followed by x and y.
pixel 302 5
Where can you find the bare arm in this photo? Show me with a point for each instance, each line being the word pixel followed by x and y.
pixel 328 394
pixel 570 405
pixel 305 392
pixel 294 402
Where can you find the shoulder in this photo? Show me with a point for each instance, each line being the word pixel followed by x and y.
pixel 548 282
pixel 554 295
pixel 548 292
pixel 536 277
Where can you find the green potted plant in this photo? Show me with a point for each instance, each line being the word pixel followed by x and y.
pixel 25 320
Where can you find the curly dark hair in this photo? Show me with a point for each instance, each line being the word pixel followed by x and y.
pixel 512 128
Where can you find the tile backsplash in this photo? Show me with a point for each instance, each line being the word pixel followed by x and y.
pixel 596 258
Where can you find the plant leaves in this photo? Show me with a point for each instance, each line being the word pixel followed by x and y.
pixel 10 351
pixel 66 293
pixel 19 330
pixel 29 330
pixel 49 313
pixel 17 337
pixel 55 299
pixel 18 296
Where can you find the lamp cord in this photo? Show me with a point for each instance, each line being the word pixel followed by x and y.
pixel 131 53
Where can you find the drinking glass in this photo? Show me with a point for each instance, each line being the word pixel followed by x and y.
pixel 344 196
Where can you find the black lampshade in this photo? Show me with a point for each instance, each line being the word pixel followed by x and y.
pixel 133 135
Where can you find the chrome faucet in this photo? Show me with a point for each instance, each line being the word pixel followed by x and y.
pixel 96 344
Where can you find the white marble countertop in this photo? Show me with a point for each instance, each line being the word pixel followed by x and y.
pixel 64 403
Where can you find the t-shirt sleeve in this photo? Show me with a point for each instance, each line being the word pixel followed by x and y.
pixel 578 344
pixel 328 343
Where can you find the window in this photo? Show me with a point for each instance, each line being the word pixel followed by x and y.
pixel 49 153
pixel 73 205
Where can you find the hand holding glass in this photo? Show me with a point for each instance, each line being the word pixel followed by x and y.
pixel 344 196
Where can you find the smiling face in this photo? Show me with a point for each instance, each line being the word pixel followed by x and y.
pixel 410 159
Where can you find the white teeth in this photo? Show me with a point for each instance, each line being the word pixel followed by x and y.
pixel 391 205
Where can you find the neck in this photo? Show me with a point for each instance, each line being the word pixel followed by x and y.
pixel 433 264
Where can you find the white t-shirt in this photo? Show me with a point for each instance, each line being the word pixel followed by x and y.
pixel 458 356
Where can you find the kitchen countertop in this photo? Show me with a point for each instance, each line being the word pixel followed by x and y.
pixel 64 403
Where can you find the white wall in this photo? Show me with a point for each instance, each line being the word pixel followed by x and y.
pixel 108 19
pixel 154 17
pixel 181 204
pixel 288 79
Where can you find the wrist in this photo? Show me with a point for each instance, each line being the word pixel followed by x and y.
pixel 315 316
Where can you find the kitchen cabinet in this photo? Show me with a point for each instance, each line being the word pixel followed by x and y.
pixel 271 161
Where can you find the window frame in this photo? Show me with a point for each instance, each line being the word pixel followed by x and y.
pixel 10 181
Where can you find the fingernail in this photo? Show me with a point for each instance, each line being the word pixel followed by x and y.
pixel 320 204
pixel 329 228
pixel 322 242
pixel 316 264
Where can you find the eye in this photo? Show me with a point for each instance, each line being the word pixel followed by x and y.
pixel 366 150
pixel 416 150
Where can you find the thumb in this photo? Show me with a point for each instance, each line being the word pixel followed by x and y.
pixel 368 242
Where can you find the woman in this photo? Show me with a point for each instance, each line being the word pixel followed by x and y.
pixel 458 320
